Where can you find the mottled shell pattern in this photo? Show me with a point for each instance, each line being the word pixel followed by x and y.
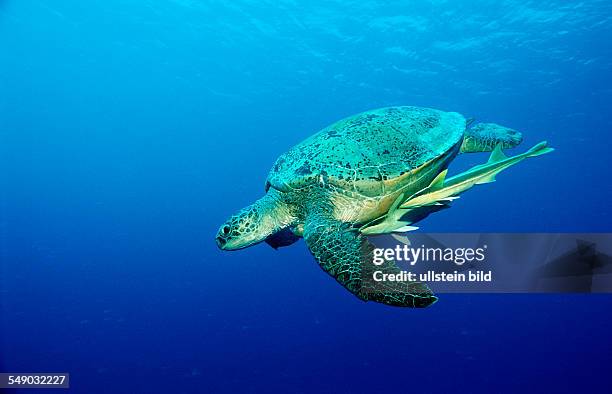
pixel 369 153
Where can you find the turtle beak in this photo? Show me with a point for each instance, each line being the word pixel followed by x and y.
pixel 220 242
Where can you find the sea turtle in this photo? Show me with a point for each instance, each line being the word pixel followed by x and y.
pixel 351 173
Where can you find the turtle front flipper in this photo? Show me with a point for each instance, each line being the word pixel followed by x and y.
pixel 484 137
pixel 348 256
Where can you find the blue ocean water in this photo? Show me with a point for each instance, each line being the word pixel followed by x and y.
pixel 130 130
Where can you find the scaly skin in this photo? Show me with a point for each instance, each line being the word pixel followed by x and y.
pixel 338 247
pixel 254 223
pixel 484 137
pixel 348 257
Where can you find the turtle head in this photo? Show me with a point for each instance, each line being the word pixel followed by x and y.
pixel 242 229
pixel 254 223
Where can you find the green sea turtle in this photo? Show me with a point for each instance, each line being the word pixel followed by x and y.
pixel 363 175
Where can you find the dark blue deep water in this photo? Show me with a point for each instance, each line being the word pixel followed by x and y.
pixel 130 130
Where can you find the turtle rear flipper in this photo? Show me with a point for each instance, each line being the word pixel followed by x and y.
pixel 348 256
pixel 484 137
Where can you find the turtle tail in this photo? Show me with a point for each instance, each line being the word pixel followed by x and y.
pixel 484 137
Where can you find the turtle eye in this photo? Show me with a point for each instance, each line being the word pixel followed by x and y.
pixel 226 229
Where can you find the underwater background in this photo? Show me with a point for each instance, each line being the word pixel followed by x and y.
pixel 130 130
